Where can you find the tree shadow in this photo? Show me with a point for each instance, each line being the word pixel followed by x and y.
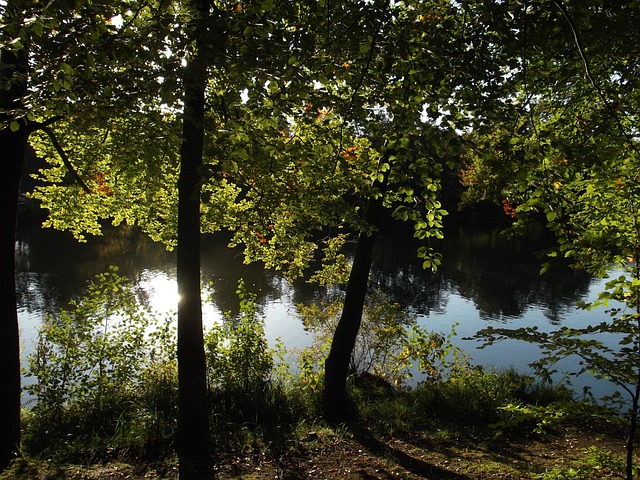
pixel 411 464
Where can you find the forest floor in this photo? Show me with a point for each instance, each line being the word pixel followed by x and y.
pixel 569 451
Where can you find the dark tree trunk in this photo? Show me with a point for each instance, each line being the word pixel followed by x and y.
pixel 334 395
pixel 193 417
pixel 13 77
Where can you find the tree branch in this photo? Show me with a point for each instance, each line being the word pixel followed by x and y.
pixel 64 157
pixel 365 71
pixel 372 47
pixel 35 126
pixel 590 77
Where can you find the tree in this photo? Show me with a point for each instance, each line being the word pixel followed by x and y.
pixel 108 194
pixel 193 408
pixel 375 121
pixel 40 45
pixel 365 96
pixel 13 142
pixel 416 153
pixel 18 121
pixel 337 363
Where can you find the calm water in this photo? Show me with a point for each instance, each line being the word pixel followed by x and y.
pixel 484 280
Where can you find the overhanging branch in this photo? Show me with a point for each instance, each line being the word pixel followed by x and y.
pixel 587 67
pixel 64 157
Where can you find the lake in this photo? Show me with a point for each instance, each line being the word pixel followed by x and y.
pixel 485 279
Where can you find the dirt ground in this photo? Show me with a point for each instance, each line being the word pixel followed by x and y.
pixel 364 456
pixel 353 455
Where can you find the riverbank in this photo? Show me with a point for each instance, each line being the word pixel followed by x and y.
pixel 579 450
pixel 498 425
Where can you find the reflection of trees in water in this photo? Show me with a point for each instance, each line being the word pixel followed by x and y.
pixel 44 264
pixel 223 267
pixel 52 267
pixel 563 288
pixel 501 276
pixel 398 272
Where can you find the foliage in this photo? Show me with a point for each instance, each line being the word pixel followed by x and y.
pixel 592 344
pixel 593 462
pixel 101 392
pixel 544 417
pixel 142 194
pixel 478 399
pixel 565 153
pixel 390 345
pixel 479 396
pixel 238 357
pixel 92 349
pixel 283 113
pixel 252 406
pixel 105 367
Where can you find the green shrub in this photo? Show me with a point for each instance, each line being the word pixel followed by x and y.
pixel 480 397
pixel 239 361
pixel 594 463
pixel 477 399
pixel 388 346
pixel 104 374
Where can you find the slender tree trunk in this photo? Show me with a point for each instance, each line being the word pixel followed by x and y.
pixel 13 146
pixel 193 442
pixel 334 394
pixel 632 431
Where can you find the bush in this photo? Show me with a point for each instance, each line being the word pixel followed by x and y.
pixel 104 374
pixel 238 356
pixel 106 379
pixel 389 344
pixel 477 399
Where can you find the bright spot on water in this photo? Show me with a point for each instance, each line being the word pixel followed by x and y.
pixel 161 291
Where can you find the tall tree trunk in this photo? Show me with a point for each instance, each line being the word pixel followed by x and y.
pixel 334 394
pixel 13 78
pixel 193 417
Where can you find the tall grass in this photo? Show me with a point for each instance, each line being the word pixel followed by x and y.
pixel 477 399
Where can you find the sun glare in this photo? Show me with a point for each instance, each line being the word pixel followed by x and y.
pixel 162 293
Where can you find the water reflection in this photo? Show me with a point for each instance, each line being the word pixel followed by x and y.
pixel 500 276
pixel 484 278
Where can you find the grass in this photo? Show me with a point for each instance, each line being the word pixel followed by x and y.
pixel 478 399
pixel 271 417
